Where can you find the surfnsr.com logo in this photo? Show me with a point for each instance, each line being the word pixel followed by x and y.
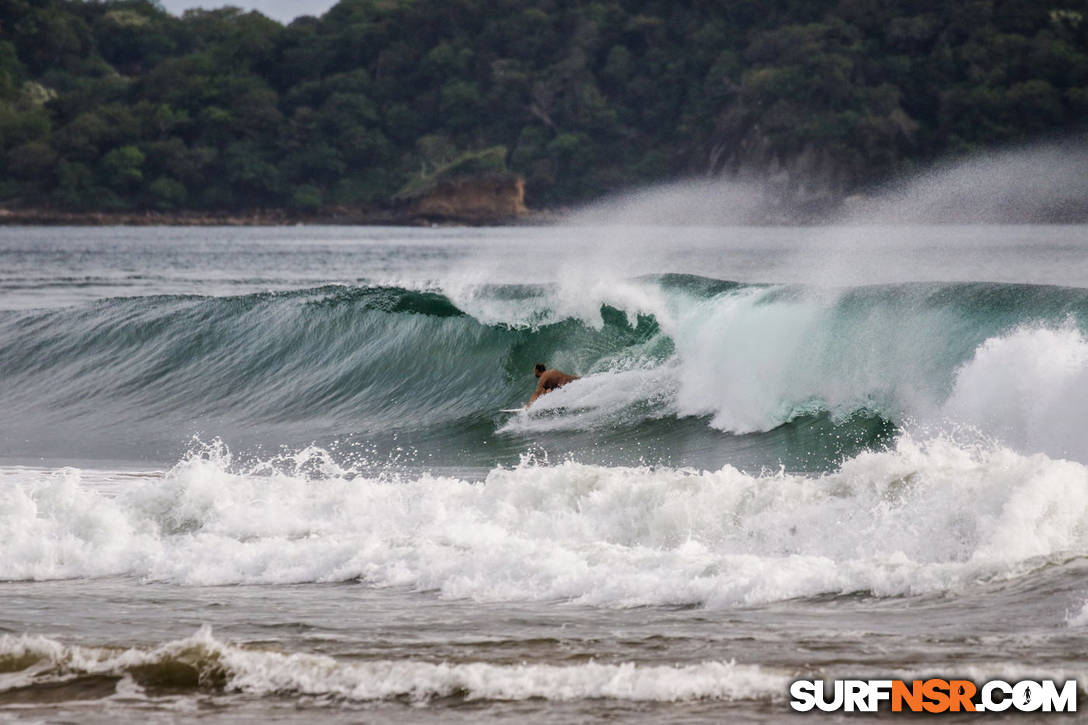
pixel 933 696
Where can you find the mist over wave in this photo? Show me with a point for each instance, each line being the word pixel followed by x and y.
pixel 1042 182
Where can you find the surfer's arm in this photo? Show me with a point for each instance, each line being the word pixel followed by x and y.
pixel 540 390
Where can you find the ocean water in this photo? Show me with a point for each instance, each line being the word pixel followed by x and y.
pixel 263 474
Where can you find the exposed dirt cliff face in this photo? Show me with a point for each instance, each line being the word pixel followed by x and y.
pixel 481 199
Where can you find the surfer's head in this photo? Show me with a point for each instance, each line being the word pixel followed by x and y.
pixel 539 369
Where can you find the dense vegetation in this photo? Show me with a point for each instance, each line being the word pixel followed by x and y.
pixel 119 105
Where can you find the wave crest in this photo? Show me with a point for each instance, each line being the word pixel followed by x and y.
pixel 205 663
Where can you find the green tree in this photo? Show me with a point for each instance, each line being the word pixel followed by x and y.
pixel 32 161
pixel 122 168
pixel 587 96
pixel 167 194
pixel 11 72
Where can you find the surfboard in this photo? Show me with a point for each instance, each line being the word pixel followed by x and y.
pixel 511 410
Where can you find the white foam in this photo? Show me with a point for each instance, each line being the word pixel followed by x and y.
pixel 578 294
pixel 1080 618
pixel 745 363
pixel 260 672
pixel 602 399
pixel 1028 388
pixel 929 516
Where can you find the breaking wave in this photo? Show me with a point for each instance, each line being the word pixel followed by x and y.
pixel 330 361
pixel 202 662
pixel 926 516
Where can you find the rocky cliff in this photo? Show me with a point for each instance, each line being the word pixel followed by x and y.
pixel 489 198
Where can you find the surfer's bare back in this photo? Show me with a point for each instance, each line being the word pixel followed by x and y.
pixel 549 381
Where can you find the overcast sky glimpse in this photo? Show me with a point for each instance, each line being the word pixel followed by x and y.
pixel 282 10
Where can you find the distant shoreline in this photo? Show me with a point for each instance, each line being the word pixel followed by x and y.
pixel 402 218
pixel 258 218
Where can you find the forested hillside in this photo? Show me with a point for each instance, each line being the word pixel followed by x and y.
pixel 120 106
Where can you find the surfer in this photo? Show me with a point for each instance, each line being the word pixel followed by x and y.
pixel 549 381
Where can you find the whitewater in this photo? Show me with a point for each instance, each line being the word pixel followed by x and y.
pixel 263 473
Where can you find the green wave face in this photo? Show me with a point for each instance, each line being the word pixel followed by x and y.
pixel 703 372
